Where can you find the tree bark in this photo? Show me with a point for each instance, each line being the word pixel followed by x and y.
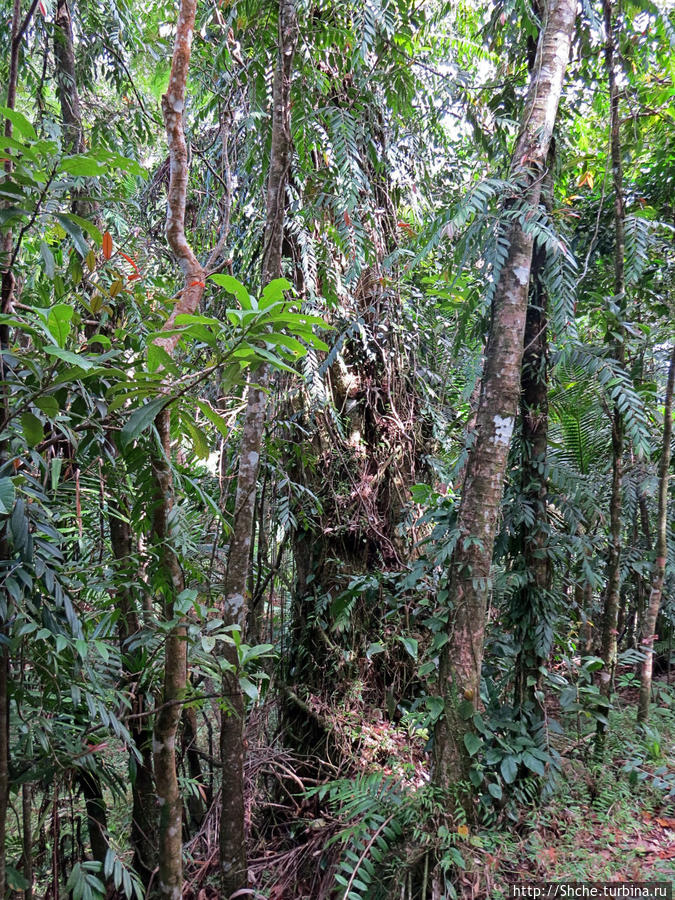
pixel 533 597
pixel 613 589
pixel 468 579
pixel 143 814
pixel 232 827
pixel 170 856
pixel 27 838
pixel 175 680
pixel 659 567
pixel 6 299
pixel 66 81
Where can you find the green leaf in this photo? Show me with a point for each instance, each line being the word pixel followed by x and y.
pixel 48 405
pixel 248 688
pixel 472 743
pixel 214 417
pixel 20 122
pixel 59 322
pixel 32 429
pixel 249 653
pixel 75 233
pixel 208 643
pixel 6 496
pixel 82 164
pixel 140 419
pixel 68 356
pixel 274 291
pixel 88 227
pixel 509 769
pixel 235 287
pixel 373 649
pixel 410 645
pixel 185 601
pixel 48 259
pixel 495 789
pixel 200 444
pixel 159 358
pixel 534 764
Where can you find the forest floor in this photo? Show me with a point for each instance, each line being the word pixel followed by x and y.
pixel 604 822
pixel 609 821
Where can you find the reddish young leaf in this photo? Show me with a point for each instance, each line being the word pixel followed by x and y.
pixel 107 245
pixel 129 260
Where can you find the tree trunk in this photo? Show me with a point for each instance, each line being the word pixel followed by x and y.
pixel 66 81
pixel 6 299
pixel 659 568
pixel 143 815
pixel 232 827
pixel 96 814
pixel 175 681
pixel 613 589
pixel 461 657
pixel 533 599
pixel 175 651
pixel 27 838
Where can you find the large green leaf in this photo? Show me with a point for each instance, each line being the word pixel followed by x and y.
pixel 140 419
pixel 6 496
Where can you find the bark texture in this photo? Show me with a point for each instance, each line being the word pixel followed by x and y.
pixel 533 598
pixel 6 299
pixel 468 579
pixel 175 681
pixel 173 108
pixel 232 826
pixel 659 568
pixel 66 81
pixel 175 652
pixel 613 589
pixel 143 815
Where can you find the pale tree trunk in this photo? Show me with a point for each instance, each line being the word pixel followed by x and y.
pixel 468 579
pixel 613 588
pixel 232 825
pixel 168 716
pixel 659 568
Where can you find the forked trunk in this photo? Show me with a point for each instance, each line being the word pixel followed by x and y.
pixel 468 579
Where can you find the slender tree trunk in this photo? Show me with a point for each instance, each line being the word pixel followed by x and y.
pixel 533 599
pixel 27 838
pixel 232 827
pixel 175 680
pixel 613 589
pixel 659 568
pixel 175 650
pixel 144 805
pixel 96 814
pixel 66 80
pixel 6 300
pixel 468 580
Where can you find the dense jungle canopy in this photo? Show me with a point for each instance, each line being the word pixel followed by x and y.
pixel 336 397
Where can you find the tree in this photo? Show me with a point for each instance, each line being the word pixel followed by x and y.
pixel 232 833
pixel 468 579
pixel 659 567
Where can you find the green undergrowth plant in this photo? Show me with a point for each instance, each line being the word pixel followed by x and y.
pixel 393 836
